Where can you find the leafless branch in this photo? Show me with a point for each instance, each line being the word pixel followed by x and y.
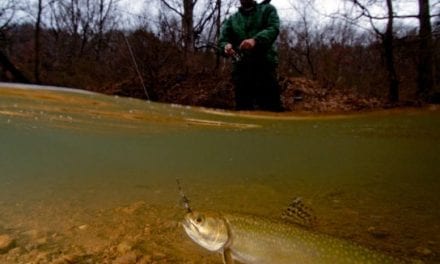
pixel 175 10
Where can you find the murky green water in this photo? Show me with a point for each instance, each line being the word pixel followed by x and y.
pixel 91 179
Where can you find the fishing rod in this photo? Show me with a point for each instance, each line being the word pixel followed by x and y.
pixel 236 57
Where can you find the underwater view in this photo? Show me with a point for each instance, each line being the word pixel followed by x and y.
pixel 90 178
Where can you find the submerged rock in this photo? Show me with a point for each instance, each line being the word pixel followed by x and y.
pixel 42 257
pixel 423 252
pixel 134 207
pixel 73 258
pixel 378 232
pixel 63 260
pixel 157 255
pixel 146 259
pixel 32 234
pixel 129 258
pixel 124 247
pixel 83 227
pixel 6 243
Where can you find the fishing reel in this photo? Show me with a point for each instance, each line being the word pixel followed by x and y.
pixel 236 57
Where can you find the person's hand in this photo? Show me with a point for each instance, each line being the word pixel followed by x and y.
pixel 229 51
pixel 247 44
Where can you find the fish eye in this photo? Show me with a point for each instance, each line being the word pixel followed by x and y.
pixel 199 219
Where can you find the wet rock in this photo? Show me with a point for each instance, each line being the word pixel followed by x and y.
pixel 36 239
pixel 417 261
pixel 32 234
pixel 423 251
pixel 36 243
pixel 41 241
pixel 83 227
pixel 378 232
pixel 6 243
pixel 129 258
pixel 42 257
pixel 147 230
pixel 432 243
pixel 145 259
pixel 134 207
pixel 67 259
pixel 124 247
pixel 159 255
pixel 61 260
pixel 15 251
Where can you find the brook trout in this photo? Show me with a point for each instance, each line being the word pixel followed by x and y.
pixel 253 240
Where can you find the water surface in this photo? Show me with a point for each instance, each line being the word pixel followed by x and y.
pixel 91 178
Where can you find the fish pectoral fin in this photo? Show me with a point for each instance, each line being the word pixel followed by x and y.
pixel 298 213
pixel 227 256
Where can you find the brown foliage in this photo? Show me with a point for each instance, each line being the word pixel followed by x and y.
pixel 307 95
pixel 332 73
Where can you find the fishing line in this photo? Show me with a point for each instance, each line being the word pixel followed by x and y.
pixel 185 200
pixel 136 66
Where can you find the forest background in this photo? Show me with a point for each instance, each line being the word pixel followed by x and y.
pixel 365 54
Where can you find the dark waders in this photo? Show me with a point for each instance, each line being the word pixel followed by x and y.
pixel 256 86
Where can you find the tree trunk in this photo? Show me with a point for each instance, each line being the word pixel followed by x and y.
pixel 425 67
pixel 388 44
pixel 188 25
pixel 37 42
pixel 9 66
pixel 217 33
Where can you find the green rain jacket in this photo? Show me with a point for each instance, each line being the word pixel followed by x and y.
pixel 261 23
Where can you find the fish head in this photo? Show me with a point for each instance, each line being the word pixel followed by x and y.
pixel 208 230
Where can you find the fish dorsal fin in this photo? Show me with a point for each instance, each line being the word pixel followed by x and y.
pixel 298 213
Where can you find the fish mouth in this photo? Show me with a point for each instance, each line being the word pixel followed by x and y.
pixel 191 230
pixel 188 225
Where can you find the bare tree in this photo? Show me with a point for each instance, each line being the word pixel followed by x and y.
pixel 7 12
pixel 425 68
pixel 185 10
pixel 388 45
pixel 304 30
pixel 168 28
pixel 38 41
pixel 192 26
pixel 8 9
pixel 9 66
pixel 68 19
pixel 387 38
pixel 425 64
pixel 84 21
pixel 218 24
pixel 104 22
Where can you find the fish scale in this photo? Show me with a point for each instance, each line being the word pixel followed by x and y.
pixel 250 239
